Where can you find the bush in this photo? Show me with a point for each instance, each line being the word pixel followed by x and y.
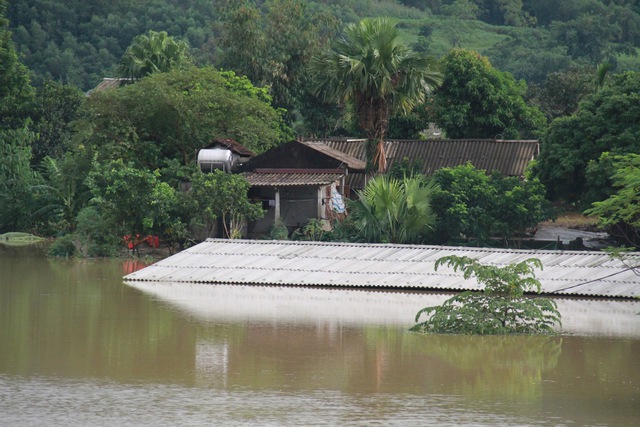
pixel 500 308
pixel 279 230
pixel 63 247
pixel 93 235
pixel 474 206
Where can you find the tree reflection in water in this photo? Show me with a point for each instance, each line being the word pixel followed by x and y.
pixel 505 367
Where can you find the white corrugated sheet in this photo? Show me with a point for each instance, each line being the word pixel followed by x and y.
pixel 269 262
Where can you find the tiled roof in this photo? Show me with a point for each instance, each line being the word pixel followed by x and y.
pixel 351 161
pixel 290 263
pixel 232 145
pixel 291 178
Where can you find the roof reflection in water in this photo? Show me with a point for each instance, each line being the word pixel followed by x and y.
pixel 233 303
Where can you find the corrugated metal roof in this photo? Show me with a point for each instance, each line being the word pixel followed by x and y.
pixel 351 161
pixel 261 179
pixel 509 157
pixel 384 266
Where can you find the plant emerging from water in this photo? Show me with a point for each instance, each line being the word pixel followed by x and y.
pixel 500 308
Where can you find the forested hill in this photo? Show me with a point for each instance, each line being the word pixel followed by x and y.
pixel 79 42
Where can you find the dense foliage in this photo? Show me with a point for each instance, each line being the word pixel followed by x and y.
pixel 371 67
pixel 390 210
pixel 475 207
pixel 620 213
pixel 501 307
pixel 80 43
pixel 606 121
pixel 170 115
pixel 16 92
pixel 222 196
pixel 153 52
pixel 476 100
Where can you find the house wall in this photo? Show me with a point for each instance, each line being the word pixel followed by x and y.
pixel 297 205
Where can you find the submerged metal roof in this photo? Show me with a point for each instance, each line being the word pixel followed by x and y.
pixel 271 262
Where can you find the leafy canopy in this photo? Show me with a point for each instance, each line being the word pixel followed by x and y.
pixel 476 100
pixel 606 121
pixel 473 205
pixel 620 213
pixel 500 308
pixel 153 52
pixel 372 67
pixel 222 195
pixel 16 93
pixel 393 211
pixel 171 115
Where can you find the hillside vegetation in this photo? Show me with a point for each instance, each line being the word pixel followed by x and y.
pixel 78 42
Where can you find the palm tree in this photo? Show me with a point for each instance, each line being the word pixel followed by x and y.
pixel 389 210
pixel 371 66
pixel 154 52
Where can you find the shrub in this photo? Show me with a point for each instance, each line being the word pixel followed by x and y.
pixel 279 230
pixel 500 308
pixel 63 246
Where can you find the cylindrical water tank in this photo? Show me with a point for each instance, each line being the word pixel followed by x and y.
pixel 215 158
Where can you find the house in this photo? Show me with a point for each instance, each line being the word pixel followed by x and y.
pixel 298 181
pixel 509 157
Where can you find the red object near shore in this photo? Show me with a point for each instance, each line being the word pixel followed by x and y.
pixel 152 241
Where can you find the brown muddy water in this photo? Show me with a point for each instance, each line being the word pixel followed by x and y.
pixel 78 346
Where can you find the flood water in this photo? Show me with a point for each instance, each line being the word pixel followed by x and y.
pixel 78 346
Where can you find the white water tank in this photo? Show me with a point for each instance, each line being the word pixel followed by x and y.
pixel 216 158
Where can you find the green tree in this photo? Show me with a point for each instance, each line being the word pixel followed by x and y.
pixel 606 121
pixel 63 191
pixel 273 49
pixel 389 210
pixel 136 202
pixel 526 46
pixel 560 93
pixel 461 9
pixel 16 93
pixel 243 41
pixel 16 179
pixel 56 108
pixel 154 52
pixel 373 68
pixel 220 195
pixel 170 115
pixel 500 308
pixel 620 213
pixel 93 236
pixel 477 207
pixel 588 36
pixel 477 101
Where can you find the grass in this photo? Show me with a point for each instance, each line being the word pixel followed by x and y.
pixel 575 220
